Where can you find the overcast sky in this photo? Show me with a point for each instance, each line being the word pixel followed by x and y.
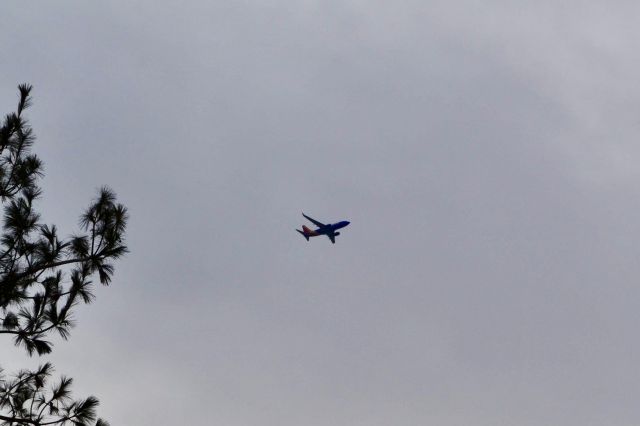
pixel 486 154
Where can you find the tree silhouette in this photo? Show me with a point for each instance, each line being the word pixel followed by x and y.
pixel 43 277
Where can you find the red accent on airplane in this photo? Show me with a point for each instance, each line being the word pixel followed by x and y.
pixel 308 231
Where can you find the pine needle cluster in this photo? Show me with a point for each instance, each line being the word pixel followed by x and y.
pixel 43 277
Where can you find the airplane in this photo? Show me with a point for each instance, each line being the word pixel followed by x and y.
pixel 329 229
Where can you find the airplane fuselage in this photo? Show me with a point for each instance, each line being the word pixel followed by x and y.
pixel 329 229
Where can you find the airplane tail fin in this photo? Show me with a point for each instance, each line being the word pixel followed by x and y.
pixel 304 234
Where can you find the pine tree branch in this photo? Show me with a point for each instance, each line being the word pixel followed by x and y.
pixel 32 306
pixel 19 420
pixel 43 267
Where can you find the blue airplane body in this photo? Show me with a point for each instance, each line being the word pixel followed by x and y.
pixel 323 229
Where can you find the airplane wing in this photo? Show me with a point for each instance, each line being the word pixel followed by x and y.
pixel 315 222
pixel 332 237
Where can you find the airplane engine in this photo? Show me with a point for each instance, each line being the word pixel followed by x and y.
pixel 337 233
